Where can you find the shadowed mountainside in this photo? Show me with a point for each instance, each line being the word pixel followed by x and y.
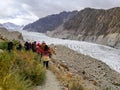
pixel 50 22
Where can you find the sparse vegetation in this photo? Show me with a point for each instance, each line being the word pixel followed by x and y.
pixel 116 83
pixel 75 84
pixel 3 45
pixel 70 81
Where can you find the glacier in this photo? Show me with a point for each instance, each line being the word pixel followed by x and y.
pixel 108 55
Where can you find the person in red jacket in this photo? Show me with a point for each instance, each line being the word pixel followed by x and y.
pixel 39 50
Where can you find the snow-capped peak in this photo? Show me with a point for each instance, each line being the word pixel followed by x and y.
pixel 12 26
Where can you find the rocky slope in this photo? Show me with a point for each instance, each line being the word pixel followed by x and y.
pixel 50 22
pixel 94 25
pixel 94 70
pixel 15 35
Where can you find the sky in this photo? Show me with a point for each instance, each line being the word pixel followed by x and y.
pixel 22 12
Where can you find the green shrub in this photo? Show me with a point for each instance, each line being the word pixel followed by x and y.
pixel 30 67
pixel 19 71
pixel 3 45
pixel 14 81
pixel 36 74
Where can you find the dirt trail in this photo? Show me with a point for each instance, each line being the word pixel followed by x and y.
pixel 51 82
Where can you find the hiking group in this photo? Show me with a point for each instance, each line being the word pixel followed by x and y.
pixel 42 49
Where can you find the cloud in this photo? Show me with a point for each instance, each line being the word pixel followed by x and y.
pixel 26 11
pixel 105 4
pixel 15 12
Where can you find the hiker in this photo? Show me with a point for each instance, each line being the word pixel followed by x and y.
pixel 39 50
pixel 10 46
pixel 33 46
pixel 19 47
pixel 45 57
pixel 43 44
pixel 52 51
pixel 27 46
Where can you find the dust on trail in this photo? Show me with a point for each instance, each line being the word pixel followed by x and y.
pixel 51 82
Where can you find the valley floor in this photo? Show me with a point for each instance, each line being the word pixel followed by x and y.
pixel 104 67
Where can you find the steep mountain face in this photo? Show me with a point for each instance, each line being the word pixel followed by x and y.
pixel 12 26
pixel 95 22
pixel 94 25
pixel 49 23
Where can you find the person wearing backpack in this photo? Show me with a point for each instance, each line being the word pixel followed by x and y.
pixel 39 50
pixel 10 46
pixel 52 51
pixel 46 54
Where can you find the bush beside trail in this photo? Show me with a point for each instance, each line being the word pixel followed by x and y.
pixel 20 70
pixel 3 45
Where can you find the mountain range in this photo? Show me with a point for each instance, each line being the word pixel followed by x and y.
pixel 92 25
pixel 50 22
pixel 11 26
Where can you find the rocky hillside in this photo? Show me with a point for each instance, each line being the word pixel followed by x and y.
pixel 50 22
pixel 94 25
pixel 15 35
pixel 96 74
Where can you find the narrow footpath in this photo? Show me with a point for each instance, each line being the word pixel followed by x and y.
pixel 51 82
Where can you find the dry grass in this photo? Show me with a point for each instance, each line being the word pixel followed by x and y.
pixel 70 81
pixel 20 70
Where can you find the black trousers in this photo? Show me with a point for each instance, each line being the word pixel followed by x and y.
pixel 46 64
pixel 40 57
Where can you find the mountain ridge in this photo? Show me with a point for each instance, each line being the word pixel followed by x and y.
pixel 12 26
pixel 92 25
pixel 50 22
pixel 100 26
